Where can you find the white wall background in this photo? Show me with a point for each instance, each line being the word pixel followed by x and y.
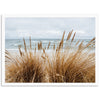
pixel 51 7
pixel 0 49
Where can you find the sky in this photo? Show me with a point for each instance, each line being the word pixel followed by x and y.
pixel 49 28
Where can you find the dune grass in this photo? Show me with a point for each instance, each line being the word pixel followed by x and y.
pixel 63 64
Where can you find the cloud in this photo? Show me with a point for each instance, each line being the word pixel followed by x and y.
pixel 81 32
pixel 48 27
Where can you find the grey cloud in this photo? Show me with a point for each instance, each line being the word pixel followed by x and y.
pixel 48 27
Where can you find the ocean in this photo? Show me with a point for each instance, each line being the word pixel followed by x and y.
pixel 12 44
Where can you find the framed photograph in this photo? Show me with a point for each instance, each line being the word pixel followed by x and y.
pixel 49 50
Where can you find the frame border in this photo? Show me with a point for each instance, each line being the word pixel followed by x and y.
pixel 48 84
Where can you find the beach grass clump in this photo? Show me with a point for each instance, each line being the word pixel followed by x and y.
pixel 62 64
pixel 76 67
pixel 72 65
pixel 25 67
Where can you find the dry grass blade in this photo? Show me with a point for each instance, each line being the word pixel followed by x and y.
pixel 43 50
pixel 48 45
pixel 7 57
pixel 43 57
pixel 80 46
pixel 93 39
pixel 54 46
pixel 77 42
pixel 6 52
pixel 90 42
pixel 35 48
pixel 40 46
pixel 30 43
pixel 69 35
pixel 25 45
pixel 61 42
pixel 73 37
pixel 20 50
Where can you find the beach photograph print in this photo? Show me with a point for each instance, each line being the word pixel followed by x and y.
pixel 49 50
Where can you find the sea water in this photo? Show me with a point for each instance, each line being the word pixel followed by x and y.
pixel 12 44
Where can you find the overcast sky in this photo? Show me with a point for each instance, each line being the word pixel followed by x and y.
pixel 49 27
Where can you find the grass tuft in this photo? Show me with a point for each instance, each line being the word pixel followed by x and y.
pixel 68 65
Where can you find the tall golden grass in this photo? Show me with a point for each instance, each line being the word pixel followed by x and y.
pixel 63 64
